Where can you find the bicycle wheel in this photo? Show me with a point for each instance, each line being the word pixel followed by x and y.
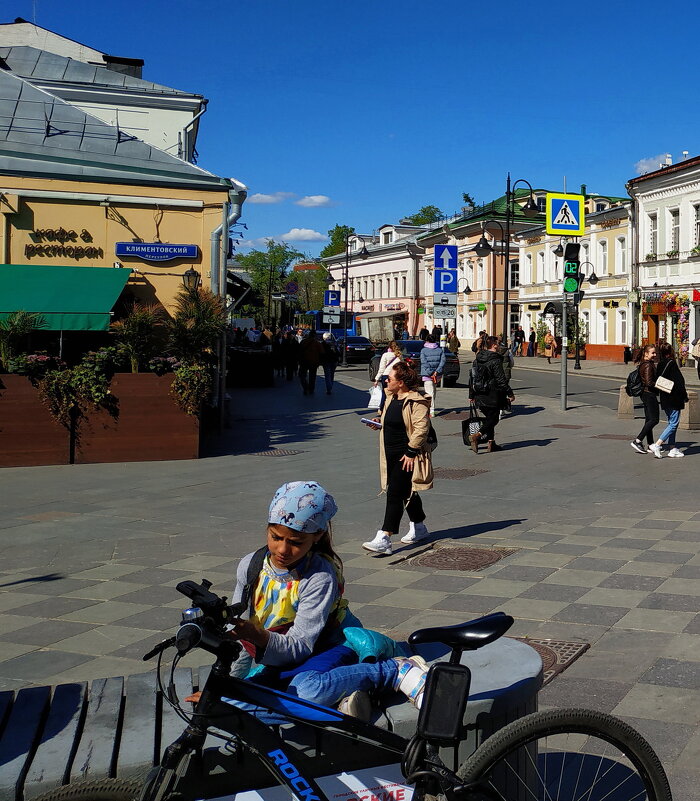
pixel 95 790
pixel 566 755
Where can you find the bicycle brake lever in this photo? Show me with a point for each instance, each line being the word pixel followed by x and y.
pixel 159 648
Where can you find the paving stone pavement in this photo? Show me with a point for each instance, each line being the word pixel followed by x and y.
pixel 607 549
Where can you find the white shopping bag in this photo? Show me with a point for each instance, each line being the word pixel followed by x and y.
pixel 375 397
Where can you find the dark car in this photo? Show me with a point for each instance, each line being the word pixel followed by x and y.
pixel 358 350
pixel 411 349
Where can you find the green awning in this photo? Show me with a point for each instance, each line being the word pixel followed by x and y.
pixel 69 298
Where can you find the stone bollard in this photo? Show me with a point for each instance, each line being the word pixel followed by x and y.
pixel 690 415
pixel 625 404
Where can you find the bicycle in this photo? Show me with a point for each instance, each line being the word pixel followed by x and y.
pixel 557 755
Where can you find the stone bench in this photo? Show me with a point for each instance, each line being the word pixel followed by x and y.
pixel 690 415
pixel 119 727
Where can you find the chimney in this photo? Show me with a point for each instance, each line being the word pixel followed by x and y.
pixel 584 188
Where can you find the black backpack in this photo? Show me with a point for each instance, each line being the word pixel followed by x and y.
pixel 634 386
pixel 479 379
pixel 254 568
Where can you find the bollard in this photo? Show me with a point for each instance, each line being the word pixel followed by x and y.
pixel 690 414
pixel 625 404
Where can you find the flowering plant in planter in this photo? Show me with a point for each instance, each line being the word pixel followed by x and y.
pixel 34 365
pixel 193 385
pixel 679 304
pixel 160 365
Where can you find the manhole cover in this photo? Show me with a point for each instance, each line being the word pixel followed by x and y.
pixel 556 655
pixel 565 425
pixel 455 416
pixel 454 473
pixel 462 558
pixel 624 437
pixel 275 452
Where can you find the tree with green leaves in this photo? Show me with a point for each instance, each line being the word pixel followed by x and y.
pixel 424 216
pixel 268 268
pixel 312 284
pixel 467 199
pixel 337 236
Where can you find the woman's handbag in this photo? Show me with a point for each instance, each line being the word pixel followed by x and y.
pixel 472 425
pixel 375 398
pixel 664 384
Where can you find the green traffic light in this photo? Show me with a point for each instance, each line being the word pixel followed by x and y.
pixel 570 285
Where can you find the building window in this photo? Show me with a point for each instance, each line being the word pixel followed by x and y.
pixel 371 289
pixel 527 274
pixel 603 327
pixel 675 226
pixel 696 240
pixel 387 237
pixel 396 286
pixel 585 251
pixel 403 286
pixel 480 276
pixel 539 278
pixel 653 233
pixel 470 274
pixel 514 274
pixel 364 294
pixel 600 206
pixel 587 324
pixel 381 288
pixel 603 257
pixel 542 203
pixel 514 319
pixel 621 327
pixel 621 255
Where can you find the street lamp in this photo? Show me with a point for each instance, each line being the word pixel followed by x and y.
pixel 483 248
pixel 467 289
pixel 191 279
pixel 592 280
pixel 363 254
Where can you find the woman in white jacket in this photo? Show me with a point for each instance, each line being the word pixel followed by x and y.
pixel 391 357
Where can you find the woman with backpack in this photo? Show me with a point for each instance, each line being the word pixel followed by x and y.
pixel 672 402
pixel 432 363
pixel 649 397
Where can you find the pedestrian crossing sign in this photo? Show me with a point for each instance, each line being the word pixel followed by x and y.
pixel 566 214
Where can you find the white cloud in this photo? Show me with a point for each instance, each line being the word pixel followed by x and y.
pixel 314 201
pixel 644 166
pixel 303 235
pixel 275 197
pixel 257 244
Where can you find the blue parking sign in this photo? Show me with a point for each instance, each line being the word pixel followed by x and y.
pixel 331 297
pixel 445 282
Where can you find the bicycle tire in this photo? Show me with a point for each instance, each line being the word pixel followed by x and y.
pixel 95 790
pixel 510 767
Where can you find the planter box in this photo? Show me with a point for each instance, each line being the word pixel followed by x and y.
pixel 29 436
pixel 150 425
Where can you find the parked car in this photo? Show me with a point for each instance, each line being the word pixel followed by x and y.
pixel 358 350
pixel 411 349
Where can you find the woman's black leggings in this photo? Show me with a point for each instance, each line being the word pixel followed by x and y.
pixel 651 416
pixel 399 495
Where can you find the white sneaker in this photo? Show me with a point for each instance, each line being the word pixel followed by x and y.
pixel 357 705
pixel 656 450
pixel 676 454
pixel 380 544
pixel 410 679
pixel 416 533
pixel 637 445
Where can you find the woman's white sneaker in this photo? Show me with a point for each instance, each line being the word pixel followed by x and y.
pixel 380 544
pixel 416 533
pixel 674 453
pixel 656 450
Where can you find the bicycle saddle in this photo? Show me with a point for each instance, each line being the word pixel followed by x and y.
pixel 466 636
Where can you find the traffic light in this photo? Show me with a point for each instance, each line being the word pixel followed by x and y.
pixel 572 274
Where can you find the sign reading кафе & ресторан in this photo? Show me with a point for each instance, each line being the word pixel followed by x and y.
pixel 155 251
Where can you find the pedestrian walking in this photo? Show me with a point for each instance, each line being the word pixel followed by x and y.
pixel 518 341
pixel 506 355
pixel 391 356
pixel 649 397
pixel 531 341
pixel 550 346
pixel 453 344
pixel 695 353
pixel 294 630
pixel 436 333
pixel 329 360
pixel 432 363
pixel 478 343
pixel 672 401
pixel 289 354
pixel 405 463
pixel 489 390
pixel 310 351
pixel 423 333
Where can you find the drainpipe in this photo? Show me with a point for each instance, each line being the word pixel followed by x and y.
pixel 183 132
pixel 232 210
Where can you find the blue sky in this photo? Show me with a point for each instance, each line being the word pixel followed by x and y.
pixel 360 113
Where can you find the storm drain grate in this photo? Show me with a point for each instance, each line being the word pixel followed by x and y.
pixel 455 473
pixel 455 416
pixel 462 557
pixel 621 437
pixel 557 655
pixel 275 452
pixel 565 425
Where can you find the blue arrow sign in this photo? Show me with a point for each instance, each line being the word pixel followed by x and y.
pixel 445 257
pixel 445 282
pixel 331 297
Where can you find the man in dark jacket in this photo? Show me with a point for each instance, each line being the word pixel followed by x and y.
pixel 488 388
pixel 310 352
pixel 423 333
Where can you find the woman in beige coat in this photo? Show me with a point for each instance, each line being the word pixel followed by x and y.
pixel 405 464
pixel 550 346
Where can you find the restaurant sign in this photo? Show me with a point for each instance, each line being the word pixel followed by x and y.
pixel 393 306
pixel 156 251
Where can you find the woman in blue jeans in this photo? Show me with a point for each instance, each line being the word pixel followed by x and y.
pixel 293 636
pixel 671 402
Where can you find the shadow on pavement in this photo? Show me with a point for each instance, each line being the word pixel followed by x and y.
pixel 528 443
pixel 47 577
pixel 519 411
